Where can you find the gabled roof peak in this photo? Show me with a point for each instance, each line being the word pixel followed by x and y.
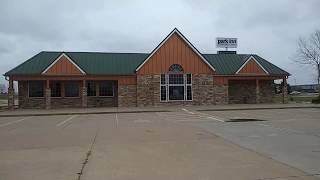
pixel 175 30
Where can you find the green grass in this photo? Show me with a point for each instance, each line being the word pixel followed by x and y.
pixel 3 97
pixel 299 99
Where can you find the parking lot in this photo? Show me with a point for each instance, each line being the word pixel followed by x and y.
pixel 185 144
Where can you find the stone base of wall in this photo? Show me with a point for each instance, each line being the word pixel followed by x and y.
pixel 145 90
pixel 203 89
pixel 25 101
pixel 220 94
pixel 242 91
pixel 65 102
pixel 127 95
pixel 101 101
pixel 267 91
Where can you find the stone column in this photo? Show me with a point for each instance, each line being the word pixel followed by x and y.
pixel 48 95
pixel 284 91
pixel 10 95
pixel 84 94
pixel 257 91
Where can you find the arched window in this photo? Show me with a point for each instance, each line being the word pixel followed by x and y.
pixel 175 68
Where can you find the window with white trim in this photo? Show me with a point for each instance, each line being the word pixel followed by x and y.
pixel 175 87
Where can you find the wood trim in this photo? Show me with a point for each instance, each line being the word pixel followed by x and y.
pixel 122 80
pixel 248 60
pixel 58 59
pixel 175 31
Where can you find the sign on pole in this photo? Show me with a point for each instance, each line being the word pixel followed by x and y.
pixel 227 42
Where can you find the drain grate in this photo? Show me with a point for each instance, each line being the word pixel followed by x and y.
pixel 244 120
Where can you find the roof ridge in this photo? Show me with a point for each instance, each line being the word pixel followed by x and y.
pixel 93 52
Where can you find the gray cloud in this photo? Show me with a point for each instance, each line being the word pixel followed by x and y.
pixel 268 28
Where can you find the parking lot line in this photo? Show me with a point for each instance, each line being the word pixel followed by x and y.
pixel 14 122
pixel 187 111
pixel 67 120
pixel 117 120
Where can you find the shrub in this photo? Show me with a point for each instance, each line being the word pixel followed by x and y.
pixel 316 100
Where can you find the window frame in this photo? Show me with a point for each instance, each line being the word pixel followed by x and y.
pixel 52 88
pixel 43 90
pixel 113 84
pixel 167 85
pixel 95 88
pixel 65 92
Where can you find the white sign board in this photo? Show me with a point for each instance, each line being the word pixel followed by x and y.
pixel 227 42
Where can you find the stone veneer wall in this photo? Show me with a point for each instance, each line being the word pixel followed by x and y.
pixel 220 94
pixel 127 95
pixel 242 91
pixel 25 101
pixel 65 102
pixel 93 101
pixel 148 90
pixel 203 89
pixel 267 91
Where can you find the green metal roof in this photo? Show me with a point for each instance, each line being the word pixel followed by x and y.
pixel 228 64
pixel 96 63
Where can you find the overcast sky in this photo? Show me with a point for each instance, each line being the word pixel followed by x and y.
pixel 267 28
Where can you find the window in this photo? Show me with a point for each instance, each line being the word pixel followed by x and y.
pixel 35 88
pixel 176 68
pixel 189 87
pixel 163 94
pixel 71 89
pixel 176 87
pixel 55 89
pixel 176 92
pixel 91 88
pixel 176 79
pixel 106 88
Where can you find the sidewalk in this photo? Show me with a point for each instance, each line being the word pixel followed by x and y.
pixel 110 110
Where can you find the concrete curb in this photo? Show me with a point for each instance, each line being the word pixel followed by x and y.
pixel 258 108
pixel 78 113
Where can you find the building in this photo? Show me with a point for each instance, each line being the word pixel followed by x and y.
pixel 175 72
pixel 3 89
pixel 306 88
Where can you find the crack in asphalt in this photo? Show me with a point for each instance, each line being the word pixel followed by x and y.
pixel 88 154
pixel 293 176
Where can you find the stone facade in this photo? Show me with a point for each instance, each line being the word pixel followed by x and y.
pixel 220 93
pixel 25 101
pixel 93 101
pixel 246 91
pixel 145 90
pixel 242 91
pixel 84 96
pixel 66 102
pixel 148 91
pixel 203 90
pixel 11 98
pixel 48 98
pixel 127 95
pixel 267 91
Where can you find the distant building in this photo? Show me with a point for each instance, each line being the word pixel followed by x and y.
pixel 310 88
pixel 3 88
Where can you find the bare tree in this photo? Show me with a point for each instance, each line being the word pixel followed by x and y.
pixel 308 52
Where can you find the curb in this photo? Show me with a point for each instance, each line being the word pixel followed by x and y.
pixel 258 108
pixel 79 113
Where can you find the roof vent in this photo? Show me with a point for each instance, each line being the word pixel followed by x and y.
pixel 227 52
